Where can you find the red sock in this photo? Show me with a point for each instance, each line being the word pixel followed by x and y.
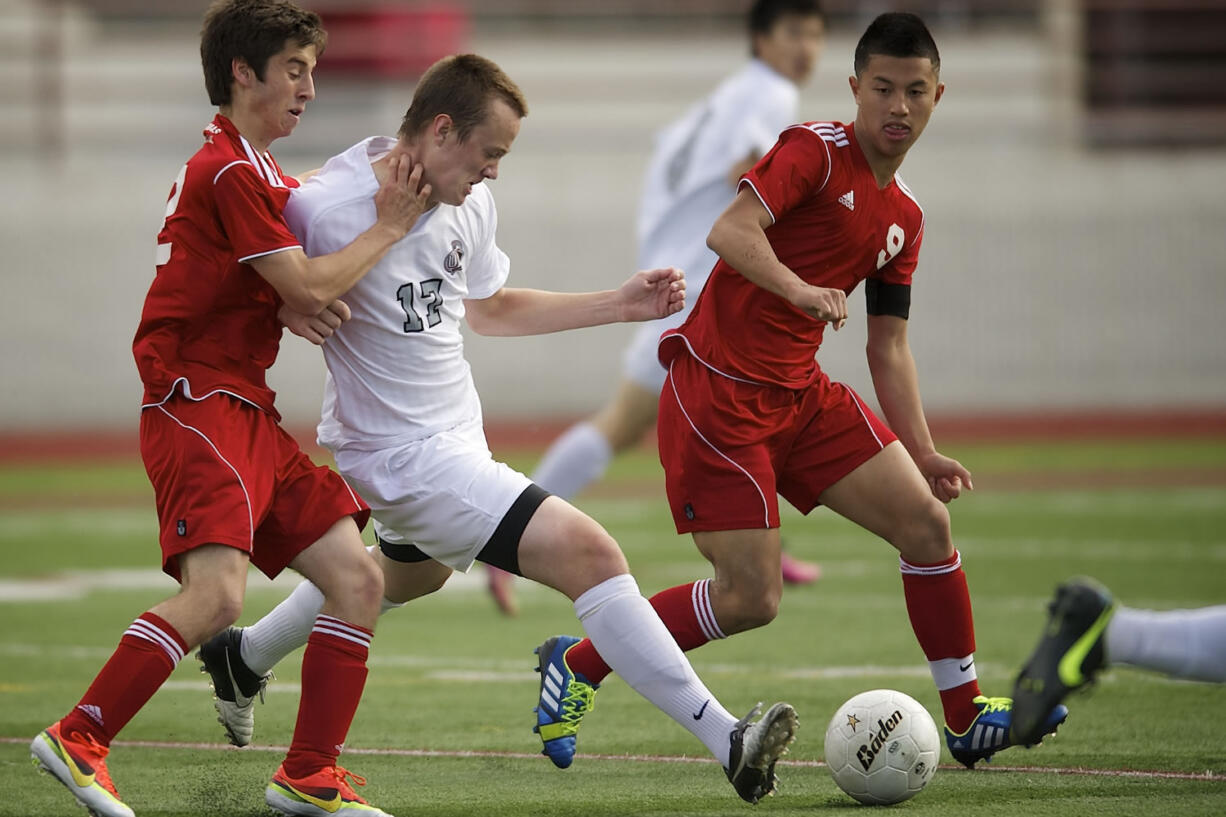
pixel 146 655
pixel 333 676
pixel 939 605
pixel 685 611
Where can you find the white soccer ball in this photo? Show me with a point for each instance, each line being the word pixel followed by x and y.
pixel 882 747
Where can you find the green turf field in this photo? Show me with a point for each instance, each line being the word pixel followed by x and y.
pixel 445 726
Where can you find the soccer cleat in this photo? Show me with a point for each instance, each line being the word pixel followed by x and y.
pixel 319 795
pixel 756 747
pixel 797 572
pixel 565 698
pixel 235 687
pixel 79 762
pixel 1069 654
pixel 989 732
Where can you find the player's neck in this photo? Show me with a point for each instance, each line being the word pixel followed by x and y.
pixel 883 167
pixel 249 127
pixel 407 155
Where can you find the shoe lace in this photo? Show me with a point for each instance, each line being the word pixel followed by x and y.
pixel 753 714
pixel 102 776
pixel 264 679
pixel 996 705
pixel 346 790
pixel 580 699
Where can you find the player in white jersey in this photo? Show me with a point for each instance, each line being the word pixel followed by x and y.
pixel 402 418
pixel 690 180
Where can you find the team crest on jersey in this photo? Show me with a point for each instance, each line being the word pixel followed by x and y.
pixel 454 260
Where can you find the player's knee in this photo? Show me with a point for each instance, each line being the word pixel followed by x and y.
pixel 603 557
pixel 356 583
pixel 747 607
pixel 759 612
pixel 367 582
pixel 592 546
pixel 926 537
pixel 218 605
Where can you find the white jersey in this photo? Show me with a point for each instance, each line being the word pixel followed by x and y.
pixel 396 369
pixel 687 186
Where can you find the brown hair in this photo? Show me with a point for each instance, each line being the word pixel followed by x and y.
pixel 253 31
pixel 462 87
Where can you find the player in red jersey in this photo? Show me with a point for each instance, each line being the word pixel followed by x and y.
pixel 231 486
pixel 747 414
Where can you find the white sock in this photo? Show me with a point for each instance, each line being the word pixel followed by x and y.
pixel 287 627
pixel 284 629
pixel 579 456
pixel 948 673
pixel 1187 644
pixel 634 642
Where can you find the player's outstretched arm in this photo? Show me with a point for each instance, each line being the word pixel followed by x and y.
pixel 309 285
pixel 514 312
pixel 897 386
pixel 651 294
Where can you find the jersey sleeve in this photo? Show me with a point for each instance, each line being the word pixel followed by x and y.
pixel 251 213
pixel 795 169
pixel 488 267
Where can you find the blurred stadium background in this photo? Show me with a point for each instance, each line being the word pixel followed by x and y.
pixel 1072 180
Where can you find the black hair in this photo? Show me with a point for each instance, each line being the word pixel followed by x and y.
pixel 765 13
pixel 896 34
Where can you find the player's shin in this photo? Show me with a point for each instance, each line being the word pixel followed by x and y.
pixel 636 644
pixel 939 606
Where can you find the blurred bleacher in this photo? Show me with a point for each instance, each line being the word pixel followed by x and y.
pixel 1056 275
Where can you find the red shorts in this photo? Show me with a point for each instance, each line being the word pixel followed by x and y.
pixel 224 472
pixel 729 446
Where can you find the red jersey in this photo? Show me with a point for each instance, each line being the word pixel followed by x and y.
pixel 210 321
pixel 832 227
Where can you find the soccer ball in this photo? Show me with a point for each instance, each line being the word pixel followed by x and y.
pixel 882 747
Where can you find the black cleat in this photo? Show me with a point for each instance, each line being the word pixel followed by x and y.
pixel 235 687
pixel 1069 654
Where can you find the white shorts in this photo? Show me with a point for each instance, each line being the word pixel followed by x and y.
pixel 445 494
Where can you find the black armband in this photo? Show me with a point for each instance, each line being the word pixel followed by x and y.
pixel 887 299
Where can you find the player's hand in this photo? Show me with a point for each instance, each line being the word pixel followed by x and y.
pixel 651 294
pixel 402 197
pixel 315 328
pixel 823 304
pixel 946 476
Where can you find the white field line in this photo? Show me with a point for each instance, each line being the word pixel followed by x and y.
pixel 458 669
pixel 78 584
pixel 812 764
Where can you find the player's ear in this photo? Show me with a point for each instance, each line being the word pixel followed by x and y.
pixel 441 128
pixel 854 83
pixel 940 92
pixel 241 73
